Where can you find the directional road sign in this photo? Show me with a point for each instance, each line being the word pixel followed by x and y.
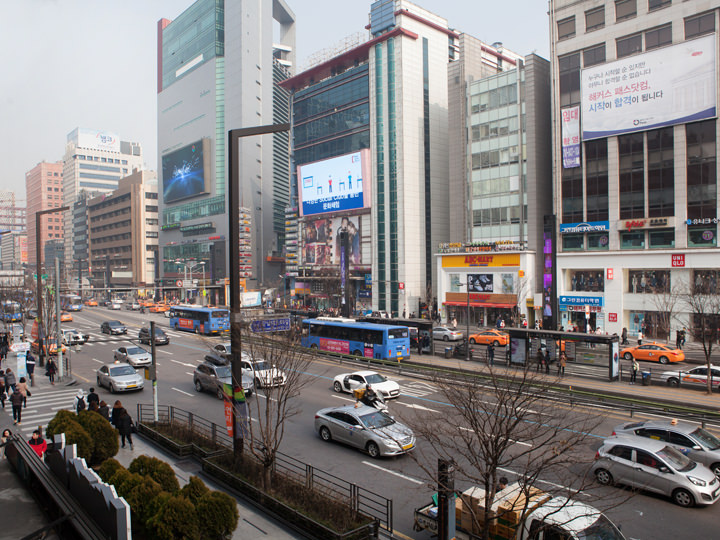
pixel 271 325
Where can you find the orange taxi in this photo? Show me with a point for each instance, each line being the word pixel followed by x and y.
pixel 35 347
pixel 490 337
pixel 147 303
pixel 653 352
pixel 65 317
pixel 91 303
pixel 159 308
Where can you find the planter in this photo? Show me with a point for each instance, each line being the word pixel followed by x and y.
pixel 177 449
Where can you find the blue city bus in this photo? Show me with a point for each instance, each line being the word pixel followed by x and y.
pixel 70 302
pixel 11 312
pixel 201 320
pixel 360 339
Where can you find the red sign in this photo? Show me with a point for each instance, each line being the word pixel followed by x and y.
pixel 634 224
pixel 186 324
pixel 401 285
pixel 228 415
pixel 335 345
pixel 612 317
pixel 678 259
pixel 610 273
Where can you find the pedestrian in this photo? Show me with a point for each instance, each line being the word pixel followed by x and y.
pixel 16 400
pixel 38 443
pixel 22 387
pixel 623 336
pixel 93 406
pixel 93 397
pixel 3 395
pixel 562 363
pixel 4 346
pixel 640 337
pixel 4 439
pixel 10 380
pixel 79 403
pixel 454 322
pixel 634 372
pixel 104 410
pixel 502 484
pixel 684 334
pixel 51 370
pixel 540 360
pixel 115 412
pixel 124 425
pixel 491 354
pixel 30 367
pixel 547 361
pixel 419 344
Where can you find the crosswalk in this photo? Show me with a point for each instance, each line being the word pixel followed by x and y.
pixel 98 338
pixel 42 406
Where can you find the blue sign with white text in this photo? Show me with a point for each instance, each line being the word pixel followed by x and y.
pixel 592 226
pixel 582 301
pixel 270 325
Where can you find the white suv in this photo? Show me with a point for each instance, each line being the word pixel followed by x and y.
pixel 262 373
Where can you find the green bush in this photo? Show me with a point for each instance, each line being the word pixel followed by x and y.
pixel 156 469
pixel 61 417
pixel 119 478
pixel 175 518
pixel 194 489
pixel 74 434
pixel 108 468
pixel 218 514
pixel 103 435
pixel 141 499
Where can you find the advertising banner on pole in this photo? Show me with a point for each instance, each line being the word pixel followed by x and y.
pixel 571 137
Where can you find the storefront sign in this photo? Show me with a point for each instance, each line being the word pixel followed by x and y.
pixel 401 286
pixel 610 273
pixel 465 261
pixel 582 301
pixel 612 317
pixel 170 226
pixel 592 226
pixel 630 224
pixel 678 259
pixel 703 221
pixel 198 227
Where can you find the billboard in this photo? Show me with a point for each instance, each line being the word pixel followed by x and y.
pixel 335 185
pixel 183 172
pixel 480 282
pixel 97 140
pixel 668 86
pixel 321 240
pixel 571 137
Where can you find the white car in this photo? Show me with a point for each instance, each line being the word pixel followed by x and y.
pixel 74 337
pixel 263 374
pixel 696 376
pixel 347 382
pixel 133 355
pixel 115 306
pixel 446 334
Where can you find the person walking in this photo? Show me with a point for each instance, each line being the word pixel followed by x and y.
pixel 562 363
pixel 115 414
pixel 10 380
pixel 23 389
pixel 623 336
pixel 38 444
pixel 30 367
pixel 546 359
pixel 16 400
pixel 540 359
pixel 93 397
pixel 124 426
pixel 640 337
pixel 79 403
pixel 104 411
pixel 4 439
pixel 635 368
pixel 51 370
pixel 3 395
pixel 491 354
pixel 684 335
pixel 4 346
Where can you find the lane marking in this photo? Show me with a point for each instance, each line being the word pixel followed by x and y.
pixel 394 473
pixel 164 352
pixel 183 392
pixel 511 440
pixel 188 373
pixel 96 360
pixel 564 488
pixel 182 363
pixel 417 407
pixel 343 398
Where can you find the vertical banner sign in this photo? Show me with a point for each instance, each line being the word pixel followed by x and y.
pixel 21 370
pixel 227 389
pixel 241 429
pixel 571 137
pixel 614 361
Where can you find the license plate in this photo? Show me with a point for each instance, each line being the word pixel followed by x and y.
pixel 407 447
pixel 131 386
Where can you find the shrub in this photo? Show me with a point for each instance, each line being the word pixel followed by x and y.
pixel 103 435
pixel 119 478
pixel 175 518
pixel 61 417
pixel 156 469
pixel 74 434
pixel 194 489
pixel 108 468
pixel 218 513
pixel 141 499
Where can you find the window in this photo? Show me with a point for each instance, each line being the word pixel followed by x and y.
pixel 623 452
pixel 624 9
pixel 647 459
pixel 661 173
pixel 701 172
pixel 657 37
pixel 596 180
pixel 594 19
pixel 632 240
pixel 632 181
pixel 706 282
pixel 648 281
pixel 572 195
pixel 680 439
pixel 594 55
pixel 588 281
pixel 650 433
pixel 702 236
pixel 629 45
pixel 661 238
pixel 566 28
pixel 569 67
pixel 700 25
pixel 573 242
pixel 657 4
pixel 598 241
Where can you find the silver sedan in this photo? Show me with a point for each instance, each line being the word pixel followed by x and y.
pixel 365 428
pixel 135 356
pixel 446 334
pixel 119 378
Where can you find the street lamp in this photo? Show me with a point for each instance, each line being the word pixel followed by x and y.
pixel 190 267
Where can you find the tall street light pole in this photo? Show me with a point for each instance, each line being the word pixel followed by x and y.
pixel 38 264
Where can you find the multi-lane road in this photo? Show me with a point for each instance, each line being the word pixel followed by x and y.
pixel 401 479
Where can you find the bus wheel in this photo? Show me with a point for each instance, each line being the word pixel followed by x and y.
pixel 313 346
pixel 357 353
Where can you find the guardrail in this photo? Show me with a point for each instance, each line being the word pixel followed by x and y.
pixel 362 500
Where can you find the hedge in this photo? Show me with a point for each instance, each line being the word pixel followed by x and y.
pixel 156 469
pixel 104 436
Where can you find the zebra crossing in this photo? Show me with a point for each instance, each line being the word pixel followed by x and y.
pixel 42 406
pixel 98 338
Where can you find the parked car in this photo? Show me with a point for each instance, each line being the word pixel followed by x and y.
pixel 113 328
pixel 347 382
pixel 263 374
pixel 693 377
pixel 161 338
pixel 490 337
pixel 692 440
pixel 365 428
pixel 653 352
pixel 446 334
pixel 72 336
pixel 119 378
pixel 211 376
pixel 655 466
pixel 133 355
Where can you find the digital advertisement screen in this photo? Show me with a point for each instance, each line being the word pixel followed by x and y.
pixel 184 173
pixel 321 240
pixel 335 185
pixel 480 282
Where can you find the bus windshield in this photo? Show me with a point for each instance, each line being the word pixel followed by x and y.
pixel 396 333
pixel 218 314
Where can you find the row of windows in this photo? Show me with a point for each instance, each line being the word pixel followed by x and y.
pixel 499 128
pixel 496 216
pixel 96 158
pixel 193 210
pixel 493 158
pixel 697 236
pixel 492 99
pixel 333 124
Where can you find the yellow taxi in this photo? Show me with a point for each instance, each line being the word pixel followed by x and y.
pixel 159 308
pixel 490 337
pixel 653 352
pixel 91 303
pixel 35 347
pixel 65 317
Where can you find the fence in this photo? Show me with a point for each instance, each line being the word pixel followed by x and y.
pixel 362 500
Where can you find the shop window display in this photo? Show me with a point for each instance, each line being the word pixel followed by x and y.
pixel 588 281
pixel 648 281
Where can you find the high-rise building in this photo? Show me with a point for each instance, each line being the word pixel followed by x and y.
pixel 635 153
pixel 93 164
pixel 14 250
pixel 12 213
pixel 44 190
pixel 218 66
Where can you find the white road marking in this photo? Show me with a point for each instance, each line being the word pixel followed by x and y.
pixel 343 398
pixel 395 473
pixel 258 394
pixel 96 360
pixel 164 352
pixel 182 363
pixel 511 440
pixel 417 407
pixel 188 373
pixel 544 482
pixel 183 392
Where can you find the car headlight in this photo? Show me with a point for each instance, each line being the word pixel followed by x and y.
pixel 697 481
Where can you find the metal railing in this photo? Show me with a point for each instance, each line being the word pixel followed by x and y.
pixel 361 500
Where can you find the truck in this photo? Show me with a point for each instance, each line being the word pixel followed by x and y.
pixel 546 516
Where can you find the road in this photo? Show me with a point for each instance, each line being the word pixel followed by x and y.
pixel 401 479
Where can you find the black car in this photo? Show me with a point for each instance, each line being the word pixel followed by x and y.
pixel 161 338
pixel 113 327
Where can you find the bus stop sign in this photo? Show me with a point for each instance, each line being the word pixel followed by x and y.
pixel 270 325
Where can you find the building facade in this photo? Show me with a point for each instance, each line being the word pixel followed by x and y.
pixel 123 234
pixel 12 214
pixel 635 150
pixel 44 190
pixel 217 70
pixel 14 251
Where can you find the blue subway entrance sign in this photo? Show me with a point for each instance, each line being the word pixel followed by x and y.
pixel 270 325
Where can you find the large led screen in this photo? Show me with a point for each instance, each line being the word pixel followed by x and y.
pixel 664 87
pixel 321 240
pixel 184 173
pixel 335 185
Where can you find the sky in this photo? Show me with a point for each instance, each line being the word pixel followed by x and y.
pixel 92 63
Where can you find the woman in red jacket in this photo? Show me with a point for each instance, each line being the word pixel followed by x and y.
pixel 38 443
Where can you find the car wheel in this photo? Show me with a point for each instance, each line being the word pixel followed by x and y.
pixel 627 356
pixel 337 387
pixel 496 343
pixel 111 388
pixel 325 434
pixel 715 468
pixel 604 477
pixel 683 497
pixel 198 386
pixel 446 338
pixel 220 393
pixel 472 341
pixel 373 449
pixel 664 360
pixel 313 346
pixel 673 381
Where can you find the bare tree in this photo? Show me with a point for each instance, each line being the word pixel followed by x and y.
pixel 507 427
pixel 704 308
pixel 666 302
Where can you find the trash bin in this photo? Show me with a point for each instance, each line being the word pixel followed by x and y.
pixel 448 352
pixel 646 378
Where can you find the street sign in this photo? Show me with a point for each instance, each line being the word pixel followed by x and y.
pixel 179 283
pixel 22 346
pixel 270 325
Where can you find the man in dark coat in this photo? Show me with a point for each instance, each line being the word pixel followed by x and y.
pixel 124 426
pixel 92 396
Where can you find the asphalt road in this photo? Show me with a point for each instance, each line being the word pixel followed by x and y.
pixel 643 517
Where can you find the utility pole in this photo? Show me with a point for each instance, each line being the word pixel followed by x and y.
pixel 153 372
pixel 58 331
